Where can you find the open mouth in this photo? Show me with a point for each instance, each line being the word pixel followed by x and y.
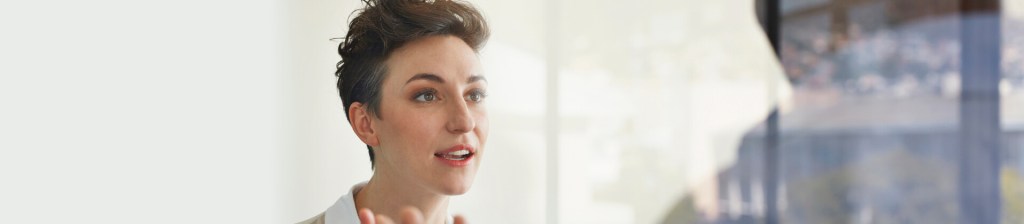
pixel 457 155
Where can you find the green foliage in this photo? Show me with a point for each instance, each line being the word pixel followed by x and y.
pixel 1012 186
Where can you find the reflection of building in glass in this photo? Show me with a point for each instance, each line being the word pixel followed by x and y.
pixel 856 169
pixel 895 48
pixel 872 135
pixel 849 170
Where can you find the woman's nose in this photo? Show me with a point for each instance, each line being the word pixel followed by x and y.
pixel 460 118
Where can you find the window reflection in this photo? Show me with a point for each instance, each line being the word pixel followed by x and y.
pixel 872 135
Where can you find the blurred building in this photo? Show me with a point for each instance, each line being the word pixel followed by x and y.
pixel 873 133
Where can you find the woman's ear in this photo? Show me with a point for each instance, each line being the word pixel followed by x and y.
pixel 362 124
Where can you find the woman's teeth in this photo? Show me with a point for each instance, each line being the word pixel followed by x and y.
pixel 454 155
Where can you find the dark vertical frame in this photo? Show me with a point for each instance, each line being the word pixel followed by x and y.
pixel 771 154
pixel 978 180
pixel 771 169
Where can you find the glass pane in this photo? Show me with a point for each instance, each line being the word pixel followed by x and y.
pixel 654 99
pixel 872 134
pixel 1011 89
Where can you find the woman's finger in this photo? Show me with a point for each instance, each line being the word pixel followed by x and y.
pixel 459 219
pixel 381 219
pixel 411 215
pixel 366 216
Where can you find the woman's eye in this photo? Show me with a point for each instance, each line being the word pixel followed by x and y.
pixel 476 96
pixel 426 96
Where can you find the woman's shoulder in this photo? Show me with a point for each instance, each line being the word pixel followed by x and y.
pixel 343 211
pixel 318 219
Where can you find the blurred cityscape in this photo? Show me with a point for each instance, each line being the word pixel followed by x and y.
pixel 872 133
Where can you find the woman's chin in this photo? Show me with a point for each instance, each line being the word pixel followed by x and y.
pixel 453 184
pixel 456 192
pixel 455 188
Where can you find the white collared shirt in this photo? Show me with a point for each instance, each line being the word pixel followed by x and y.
pixel 344 210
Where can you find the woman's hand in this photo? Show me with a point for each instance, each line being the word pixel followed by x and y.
pixel 409 215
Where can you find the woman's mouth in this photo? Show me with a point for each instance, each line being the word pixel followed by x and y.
pixel 458 155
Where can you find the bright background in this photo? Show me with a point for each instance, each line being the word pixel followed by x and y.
pixel 653 97
pixel 226 111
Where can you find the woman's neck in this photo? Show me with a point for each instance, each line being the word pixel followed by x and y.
pixel 384 194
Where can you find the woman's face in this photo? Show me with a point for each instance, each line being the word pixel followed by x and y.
pixel 433 122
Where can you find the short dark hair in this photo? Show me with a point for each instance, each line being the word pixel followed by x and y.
pixel 385 25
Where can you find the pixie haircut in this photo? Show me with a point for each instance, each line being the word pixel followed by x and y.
pixel 385 25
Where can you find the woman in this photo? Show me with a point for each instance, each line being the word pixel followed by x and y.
pixel 413 91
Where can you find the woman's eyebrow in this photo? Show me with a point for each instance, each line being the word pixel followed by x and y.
pixel 476 78
pixel 438 79
pixel 426 76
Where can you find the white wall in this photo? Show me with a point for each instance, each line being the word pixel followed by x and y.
pixel 140 111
